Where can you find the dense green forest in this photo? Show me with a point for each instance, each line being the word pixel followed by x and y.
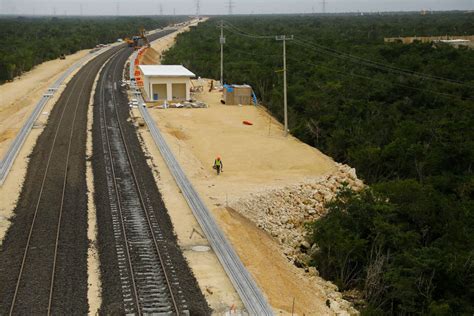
pixel 402 115
pixel 26 42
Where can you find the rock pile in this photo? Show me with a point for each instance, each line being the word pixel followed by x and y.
pixel 283 213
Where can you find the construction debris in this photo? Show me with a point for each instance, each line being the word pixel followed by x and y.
pixel 184 105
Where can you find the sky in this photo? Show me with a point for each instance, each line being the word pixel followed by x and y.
pixel 187 7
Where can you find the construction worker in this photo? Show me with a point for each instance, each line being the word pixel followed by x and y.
pixel 218 165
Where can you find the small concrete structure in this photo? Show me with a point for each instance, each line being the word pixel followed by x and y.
pixel 166 82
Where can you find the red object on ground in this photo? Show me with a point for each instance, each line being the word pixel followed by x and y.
pixel 247 123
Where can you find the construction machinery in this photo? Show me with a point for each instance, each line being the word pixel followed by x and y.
pixel 129 42
pixel 143 37
pixel 138 41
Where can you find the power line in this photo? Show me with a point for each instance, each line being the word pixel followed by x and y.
pixel 238 31
pixel 381 81
pixel 352 58
pixel 254 54
pixel 374 64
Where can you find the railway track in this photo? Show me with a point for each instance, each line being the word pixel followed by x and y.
pixel 148 280
pixel 36 287
pixel 10 156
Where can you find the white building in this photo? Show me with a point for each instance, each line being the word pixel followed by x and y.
pixel 166 82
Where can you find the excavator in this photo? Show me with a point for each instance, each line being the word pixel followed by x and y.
pixel 129 42
pixel 138 41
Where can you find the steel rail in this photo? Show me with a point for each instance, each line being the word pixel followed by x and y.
pixel 142 202
pixel 119 205
pixel 140 195
pixel 40 195
pixel 251 295
pixel 7 161
pixel 64 189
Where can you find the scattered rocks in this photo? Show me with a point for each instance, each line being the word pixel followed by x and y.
pixel 284 212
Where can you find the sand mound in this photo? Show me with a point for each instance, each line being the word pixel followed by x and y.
pixel 150 57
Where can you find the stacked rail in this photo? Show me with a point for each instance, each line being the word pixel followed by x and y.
pixel 249 292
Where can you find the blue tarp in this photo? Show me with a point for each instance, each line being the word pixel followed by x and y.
pixel 254 98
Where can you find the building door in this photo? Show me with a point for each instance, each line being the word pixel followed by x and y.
pixel 159 92
pixel 179 91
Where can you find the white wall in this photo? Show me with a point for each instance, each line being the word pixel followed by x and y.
pixel 149 81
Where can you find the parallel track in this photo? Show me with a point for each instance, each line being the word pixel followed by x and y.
pixel 9 157
pixel 40 231
pixel 148 281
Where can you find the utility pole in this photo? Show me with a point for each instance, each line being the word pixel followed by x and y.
pixel 222 41
pixel 230 6
pixel 117 7
pixel 80 9
pixel 161 9
pixel 285 38
pixel 198 8
pixel 324 6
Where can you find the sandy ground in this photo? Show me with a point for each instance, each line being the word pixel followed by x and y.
pixel 16 104
pixel 254 157
pixel 19 97
pixel 93 263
